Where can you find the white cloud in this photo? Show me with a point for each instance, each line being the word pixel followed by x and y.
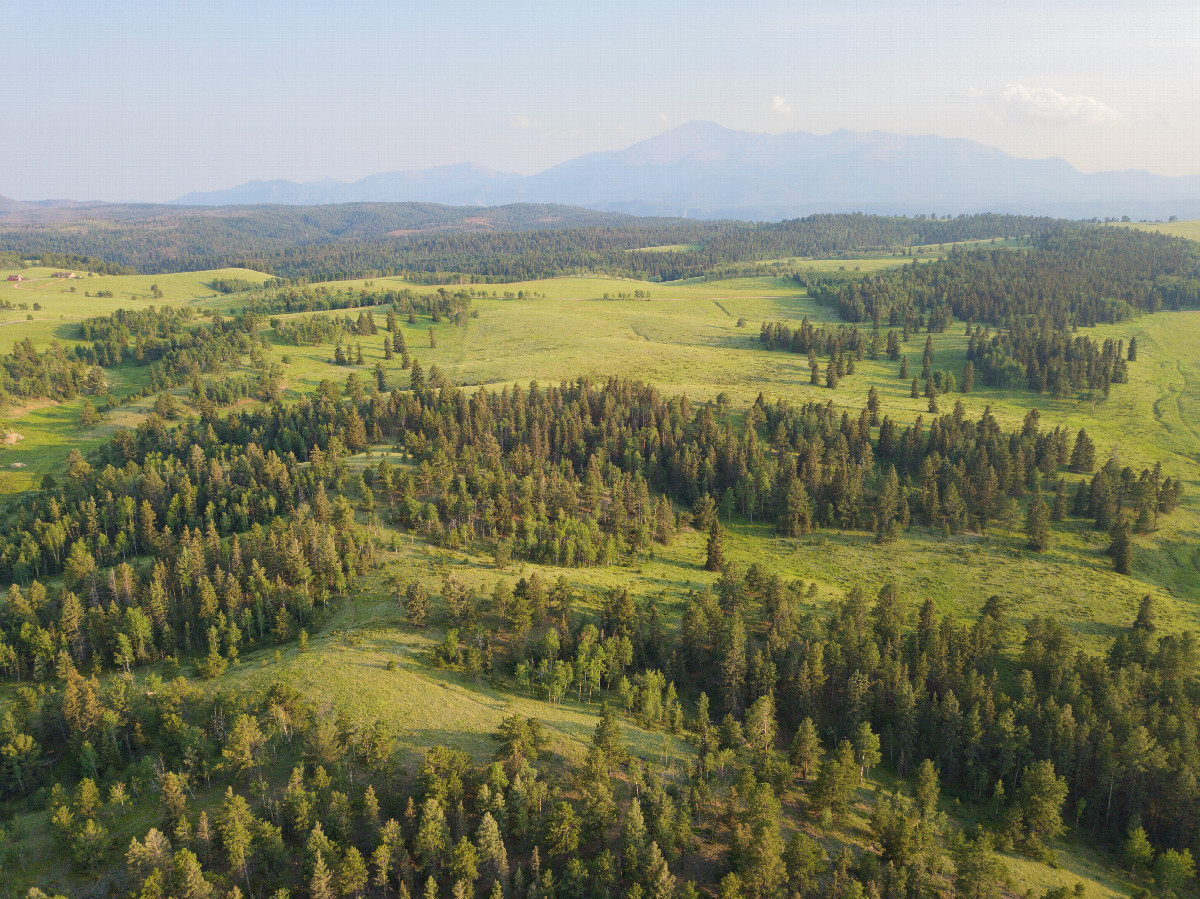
pixel 1047 104
pixel 663 119
pixel 781 106
pixel 520 122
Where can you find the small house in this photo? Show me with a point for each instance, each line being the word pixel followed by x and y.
pixel 15 278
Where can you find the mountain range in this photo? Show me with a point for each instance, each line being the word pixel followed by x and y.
pixel 704 170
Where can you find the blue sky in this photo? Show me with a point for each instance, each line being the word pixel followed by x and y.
pixel 127 100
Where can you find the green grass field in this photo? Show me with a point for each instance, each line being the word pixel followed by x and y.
pixel 1189 229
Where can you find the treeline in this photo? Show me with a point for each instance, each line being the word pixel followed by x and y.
pixel 1048 361
pixel 519 243
pixel 844 346
pixel 241 285
pixel 440 305
pixel 1073 277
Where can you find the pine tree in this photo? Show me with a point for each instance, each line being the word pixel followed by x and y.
pixel 915 391
pixel 1121 545
pixel 388 352
pixel 1138 852
pixel 1083 455
pixel 352 873
pixel 320 885
pixel 416 604
pixel 904 369
pixel 733 664
pixel 887 508
pixel 866 749
pixel 760 727
pixel 433 836
pixel 927 789
pixel 491 848
pixel 796 517
pixel 660 883
pixel 1040 800
pixel 1037 523
pixel 715 554
pixel 607 737
pixel 1059 511
pixel 805 753
pixel 633 842
pixel 968 378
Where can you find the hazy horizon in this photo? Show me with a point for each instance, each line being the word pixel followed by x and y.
pixel 142 102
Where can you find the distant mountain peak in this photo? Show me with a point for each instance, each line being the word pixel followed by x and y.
pixel 701 168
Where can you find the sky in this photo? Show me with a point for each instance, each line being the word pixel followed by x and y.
pixel 128 100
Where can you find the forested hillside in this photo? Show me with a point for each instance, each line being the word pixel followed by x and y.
pixel 509 243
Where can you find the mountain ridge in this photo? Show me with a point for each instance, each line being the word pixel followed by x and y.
pixel 704 170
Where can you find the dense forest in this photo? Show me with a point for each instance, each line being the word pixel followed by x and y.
pixel 1036 299
pixel 190 546
pixel 439 244
pixel 808 706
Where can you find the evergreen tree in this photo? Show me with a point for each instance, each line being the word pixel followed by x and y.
pixel 887 508
pixel 795 519
pixel 1138 852
pixel 805 754
pixel 715 554
pixel 1037 523
pixel 866 749
pixel 1083 454
pixel 733 664
pixel 1059 510
pixel 492 854
pixel 416 603
pixel 352 873
pixel 1039 801
pixel 1120 546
